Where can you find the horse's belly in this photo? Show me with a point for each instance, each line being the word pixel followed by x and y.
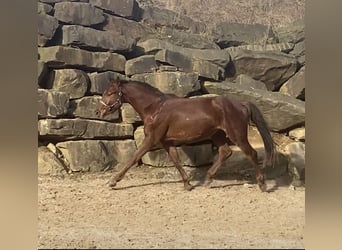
pixel 190 131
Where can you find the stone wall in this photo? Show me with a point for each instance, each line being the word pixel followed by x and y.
pixel 83 45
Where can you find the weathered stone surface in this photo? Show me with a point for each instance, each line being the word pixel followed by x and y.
pixel 180 60
pixel 142 64
pixel 60 56
pixel 272 68
pixel 295 86
pixel 296 153
pixel 95 155
pixel 248 81
pixel 299 52
pixel 194 155
pixel 239 163
pixel 280 47
pixel 217 56
pixel 44 8
pixel 208 70
pixel 299 49
pixel 169 68
pixel 297 134
pixel 78 13
pixel 75 82
pixel 85 37
pixel 235 34
pixel 52 103
pixel 85 108
pixel 280 112
pixel 178 83
pixel 124 8
pixel 47 26
pixel 126 27
pixel 49 164
pixel 42 73
pixel 292 33
pixel 139 138
pixel 184 39
pixel 83 129
pixel 187 64
pixel 156 17
pixel 128 114
pixel 58 1
pixel 99 82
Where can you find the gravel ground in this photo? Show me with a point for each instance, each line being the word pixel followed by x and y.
pixel 152 210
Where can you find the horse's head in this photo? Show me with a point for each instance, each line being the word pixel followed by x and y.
pixel 111 99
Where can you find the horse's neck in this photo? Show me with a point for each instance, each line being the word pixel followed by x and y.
pixel 145 101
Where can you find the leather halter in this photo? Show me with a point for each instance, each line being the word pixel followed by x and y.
pixel 118 101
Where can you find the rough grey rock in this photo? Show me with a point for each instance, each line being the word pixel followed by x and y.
pixel 277 47
pixel 128 28
pixel 178 83
pixel 95 155
pixel 78 13
pixel 272 68
pixel 52 103
pixel 85 37
pixel 43 8
pixel 184 39
pixel 235 34
pixel 217 56
pixel 194 155
pixel 47 26
pixel 60 57
pixel 124 8
pixel 42 73
pixel 75 82
pixel 208 70
pixel 295 86
pixel 189 155
pixel 85 108
pixel 99 82
pixel 128 114
pixel 248 81
pixel 181 61
pixel 157 18
pixel 296 151
pixel 239 163
pixel 297 134
pixel 280 112
pixel 185 63
pixel 142 64
pixel 83 129
pixel 49 164
pixel 58 1
pixel 293 33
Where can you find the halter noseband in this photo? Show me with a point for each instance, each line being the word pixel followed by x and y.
pixel 118 101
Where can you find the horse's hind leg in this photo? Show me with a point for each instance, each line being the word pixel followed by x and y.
pixel 172 151
pixel 224 152
pixel 253 157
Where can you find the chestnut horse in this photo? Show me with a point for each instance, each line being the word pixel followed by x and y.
pixel 173 121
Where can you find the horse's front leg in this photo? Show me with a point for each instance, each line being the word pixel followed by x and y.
pixel 145 147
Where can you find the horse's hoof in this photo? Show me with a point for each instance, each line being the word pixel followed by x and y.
pixel 112 183
pixel 263 187
pixel 207 183
pixel 188 187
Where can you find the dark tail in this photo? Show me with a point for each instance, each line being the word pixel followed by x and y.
pixel 258 119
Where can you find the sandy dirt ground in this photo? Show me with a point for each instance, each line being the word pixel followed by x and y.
pixel 150 209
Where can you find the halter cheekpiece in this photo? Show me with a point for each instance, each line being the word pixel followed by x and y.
pixel 118 101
